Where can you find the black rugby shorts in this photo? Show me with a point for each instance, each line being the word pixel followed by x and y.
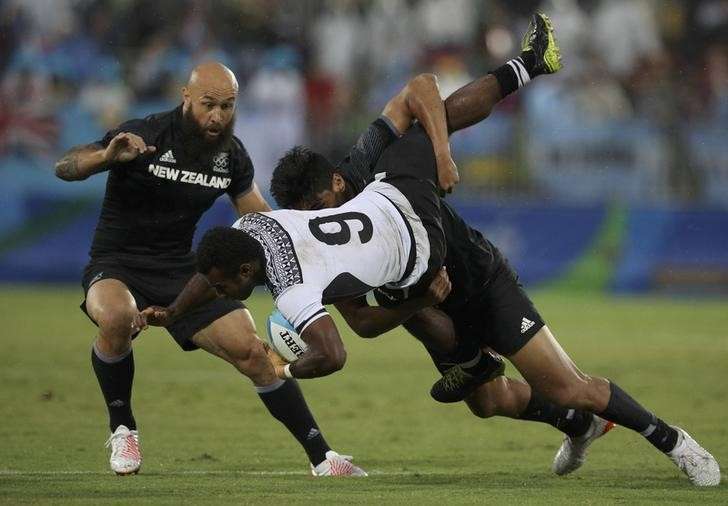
pixel 500 315
pixel 159 287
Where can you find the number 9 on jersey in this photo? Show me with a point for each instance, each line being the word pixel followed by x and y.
pixel 283 338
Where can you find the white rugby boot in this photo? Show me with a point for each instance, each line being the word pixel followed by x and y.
pixel 126 457
pixel 337 465
pixel 694 460
pixel 572 454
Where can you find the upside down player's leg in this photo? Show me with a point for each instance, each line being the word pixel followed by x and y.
pixel 540 54
pixel 413 156
pixel 112 307
pixel 233 338
pixel 548 368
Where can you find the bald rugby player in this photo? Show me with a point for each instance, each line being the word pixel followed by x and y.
pixel 165 171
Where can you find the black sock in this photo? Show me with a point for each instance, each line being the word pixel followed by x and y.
pixel 627 412
pixel 285 402
pixel 484 364
pixel 115 379
pixel 470 357
pixel 572 422
pixel 515 73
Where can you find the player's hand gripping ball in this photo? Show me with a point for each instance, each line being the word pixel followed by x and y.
pixel 283 338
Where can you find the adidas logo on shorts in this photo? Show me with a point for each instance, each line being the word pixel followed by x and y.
pixel 526 324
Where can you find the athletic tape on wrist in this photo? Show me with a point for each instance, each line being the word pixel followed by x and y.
pixel 287 371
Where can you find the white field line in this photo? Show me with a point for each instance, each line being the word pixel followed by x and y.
pixel 79 472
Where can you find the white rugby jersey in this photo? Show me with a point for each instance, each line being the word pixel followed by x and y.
pixel 324 256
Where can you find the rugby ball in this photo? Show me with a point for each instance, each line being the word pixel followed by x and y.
pixel 283 338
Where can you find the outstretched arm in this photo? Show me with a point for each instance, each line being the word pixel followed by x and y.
pixel 81 162
pixel 251 202
pixel 196 292
pixel 420 100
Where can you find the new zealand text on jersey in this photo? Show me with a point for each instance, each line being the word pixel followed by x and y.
pixel 187 176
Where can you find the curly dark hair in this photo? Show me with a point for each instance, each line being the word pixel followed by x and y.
pixel 227 249
pixel 299 176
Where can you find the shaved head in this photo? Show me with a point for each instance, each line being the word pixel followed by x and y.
pixel 212 76
pixel 209 103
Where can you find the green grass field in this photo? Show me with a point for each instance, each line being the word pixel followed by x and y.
pixel 207 438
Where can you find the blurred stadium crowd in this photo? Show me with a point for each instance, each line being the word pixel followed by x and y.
pixel 638 114
pixel 611 174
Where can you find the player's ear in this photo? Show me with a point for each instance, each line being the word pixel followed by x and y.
pixel 337 183
pixel 246 270
pixel 186 96
pixel 251 270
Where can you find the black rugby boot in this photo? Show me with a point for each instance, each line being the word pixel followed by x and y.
pixel 457 383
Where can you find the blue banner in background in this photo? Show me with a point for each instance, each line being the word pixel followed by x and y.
pixel 49 248
pixel 540 241
pixel 657 249
pixel 707 145
pixel 675 251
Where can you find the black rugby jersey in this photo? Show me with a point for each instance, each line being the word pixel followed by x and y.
pixel 358 166
pixel 153 203
pixel 470 260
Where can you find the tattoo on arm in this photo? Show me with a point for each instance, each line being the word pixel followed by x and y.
pixel 69 167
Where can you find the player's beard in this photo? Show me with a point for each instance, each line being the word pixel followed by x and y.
pixel 197 146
